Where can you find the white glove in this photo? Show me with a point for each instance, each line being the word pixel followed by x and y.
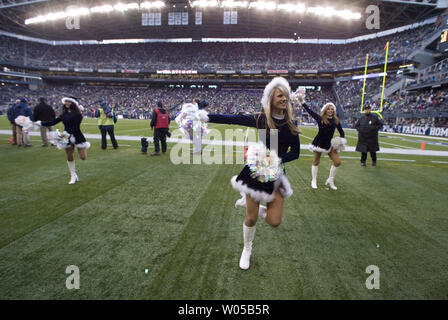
pixel 344 141
pixel 38 123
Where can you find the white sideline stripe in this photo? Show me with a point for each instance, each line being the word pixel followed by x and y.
pixel 38 140
pixel 241 144
pixel 346 157
pixel 388 143
pixel 358 158
pixel 439 161
pixel 408 135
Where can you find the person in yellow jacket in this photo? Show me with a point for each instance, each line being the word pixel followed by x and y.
pixel 106 123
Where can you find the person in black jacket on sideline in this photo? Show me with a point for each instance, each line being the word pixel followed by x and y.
pixel 368 126
pixel 44 112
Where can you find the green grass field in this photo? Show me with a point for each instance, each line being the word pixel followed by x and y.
pixel 131 212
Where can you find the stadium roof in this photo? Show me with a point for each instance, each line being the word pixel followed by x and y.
pixel 251 23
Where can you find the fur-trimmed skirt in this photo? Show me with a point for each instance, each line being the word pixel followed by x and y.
pixel 260 191
pixel 313 148
pixel 81 145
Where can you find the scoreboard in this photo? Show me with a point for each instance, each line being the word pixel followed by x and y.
pixel 443 44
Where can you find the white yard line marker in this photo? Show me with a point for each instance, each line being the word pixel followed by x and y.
pixel 397 145
pixel 439 162
pixel 302 135
pixel 358 158
pixel 409 135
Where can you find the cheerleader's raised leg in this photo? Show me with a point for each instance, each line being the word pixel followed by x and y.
pixel 272 214
pixel 71 161
pixel 241 202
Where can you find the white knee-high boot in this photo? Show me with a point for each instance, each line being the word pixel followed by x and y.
pixel 72 168
pixel 330 180
pixel 249 234
pixel 314 170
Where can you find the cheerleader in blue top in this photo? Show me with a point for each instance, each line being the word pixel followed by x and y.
pixel 276 118
pixel 328 122
pixel 71 117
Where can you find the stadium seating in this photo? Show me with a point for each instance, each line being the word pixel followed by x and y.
pixel 212 56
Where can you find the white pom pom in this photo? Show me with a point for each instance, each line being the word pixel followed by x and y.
pixel 264 164
pixel 203 115
pixel 191 119
pixel 61 140
pixel 26 123
pixel 298 97
pixel 21 120
pixel 338 144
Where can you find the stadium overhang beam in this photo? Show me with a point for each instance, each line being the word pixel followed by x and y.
pixel 414 2
pixel 77 79
pixel 15 3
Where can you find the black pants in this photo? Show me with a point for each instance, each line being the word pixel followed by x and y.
pixel 364 156
pixel 104 131
pixel 160 135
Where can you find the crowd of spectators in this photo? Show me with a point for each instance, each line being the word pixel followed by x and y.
pixel 428 106
pixel 418 101
pixel 213 56
pixel 350 92
pixel 138 103
pixel 438 72
pixel 418 107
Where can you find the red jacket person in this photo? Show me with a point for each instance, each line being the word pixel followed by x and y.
pixel 160 123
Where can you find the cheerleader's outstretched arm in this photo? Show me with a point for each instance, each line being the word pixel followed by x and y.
pixel 312 113
pixel 51 123
pixel 341 131
pixel 294 151
pixel 237 119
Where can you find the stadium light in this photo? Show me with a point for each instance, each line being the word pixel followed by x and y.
pixel 127 6
pixel 37 19
pixel 78 12
pixel 316 10
pixel 349 15
pixel 58 15
pixel 154 4
pixel 102 9
pixel 270 5
pixel 205 3
pixel 330 12
pixel 299 8
pixel 234 4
